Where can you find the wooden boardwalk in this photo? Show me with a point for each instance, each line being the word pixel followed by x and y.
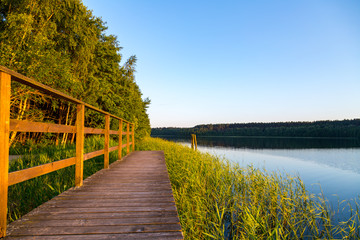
pixel 131 200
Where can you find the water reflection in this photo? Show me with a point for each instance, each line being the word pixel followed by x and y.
pixel 333 163
pixel 272 142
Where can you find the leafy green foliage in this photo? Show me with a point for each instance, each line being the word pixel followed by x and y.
pixel 60 43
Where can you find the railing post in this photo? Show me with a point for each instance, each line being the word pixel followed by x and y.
pixel 5 85
pixel 120 138
pixel 107 139
pixel 133 137
pixel 127 138
pixel 79 163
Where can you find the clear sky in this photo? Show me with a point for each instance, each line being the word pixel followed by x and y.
pixel 241 61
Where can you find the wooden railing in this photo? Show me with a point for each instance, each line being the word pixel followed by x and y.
pixel 7 125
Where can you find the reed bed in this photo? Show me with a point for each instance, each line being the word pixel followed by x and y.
pixel 25 196
pixel 217 199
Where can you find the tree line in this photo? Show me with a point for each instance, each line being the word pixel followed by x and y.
pixel 343 128
pixel 60 43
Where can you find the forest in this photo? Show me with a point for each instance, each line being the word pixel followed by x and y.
pixel 343 128
pixel 60 43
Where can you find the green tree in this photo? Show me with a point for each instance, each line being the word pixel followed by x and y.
pixel 61 44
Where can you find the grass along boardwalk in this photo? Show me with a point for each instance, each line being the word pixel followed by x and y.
pixel 130 200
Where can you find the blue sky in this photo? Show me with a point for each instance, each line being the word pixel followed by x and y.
pixel 241 61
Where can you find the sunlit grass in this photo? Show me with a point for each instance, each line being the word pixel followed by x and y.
pixel 217 199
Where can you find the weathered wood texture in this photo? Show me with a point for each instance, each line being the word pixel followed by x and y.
pixel 128 138
pixel 107 140
pixel 28 173
pixel 130 200
pixel 133 137
pixel 5 81
pixel 120 137
pixel 79 159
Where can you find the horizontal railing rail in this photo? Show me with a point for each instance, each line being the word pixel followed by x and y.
pixel 7 125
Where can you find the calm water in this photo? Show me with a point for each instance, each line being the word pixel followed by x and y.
pixel 332 163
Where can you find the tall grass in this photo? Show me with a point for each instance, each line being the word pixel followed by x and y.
pixel 25 196
pixel 217 199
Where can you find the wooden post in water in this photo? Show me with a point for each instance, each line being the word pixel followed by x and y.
pixel 193 142
pixel 79 162
pixel 5 85
pixel 127 138
pixel 133 137
pixel 120 138
pixel 107 139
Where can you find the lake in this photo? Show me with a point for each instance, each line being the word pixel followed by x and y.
pixel 333 164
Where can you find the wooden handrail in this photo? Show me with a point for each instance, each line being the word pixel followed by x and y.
pixel 7 125
pixel 27 126
pixel 15 76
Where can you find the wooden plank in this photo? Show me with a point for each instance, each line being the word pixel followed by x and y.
pixel 124 198
pixel 26 174
pixel 67 210
pixel 131 187
pixel 138 177
pixel 113 132
pixel 88 130
pixel 38 231
pixel 113 148
pixel 27 126
pixel 123 236
pixel 90 155
pixel 129 191
pixel 99 222
pixel 79 162
pixel 112 204
pixel 134 179
pixel 5 85
pixel 137 170
pixel 112 215
pixel 131 200
pixel 107 140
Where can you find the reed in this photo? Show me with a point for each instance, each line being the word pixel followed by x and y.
pixel 25 196
pixel 217 199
